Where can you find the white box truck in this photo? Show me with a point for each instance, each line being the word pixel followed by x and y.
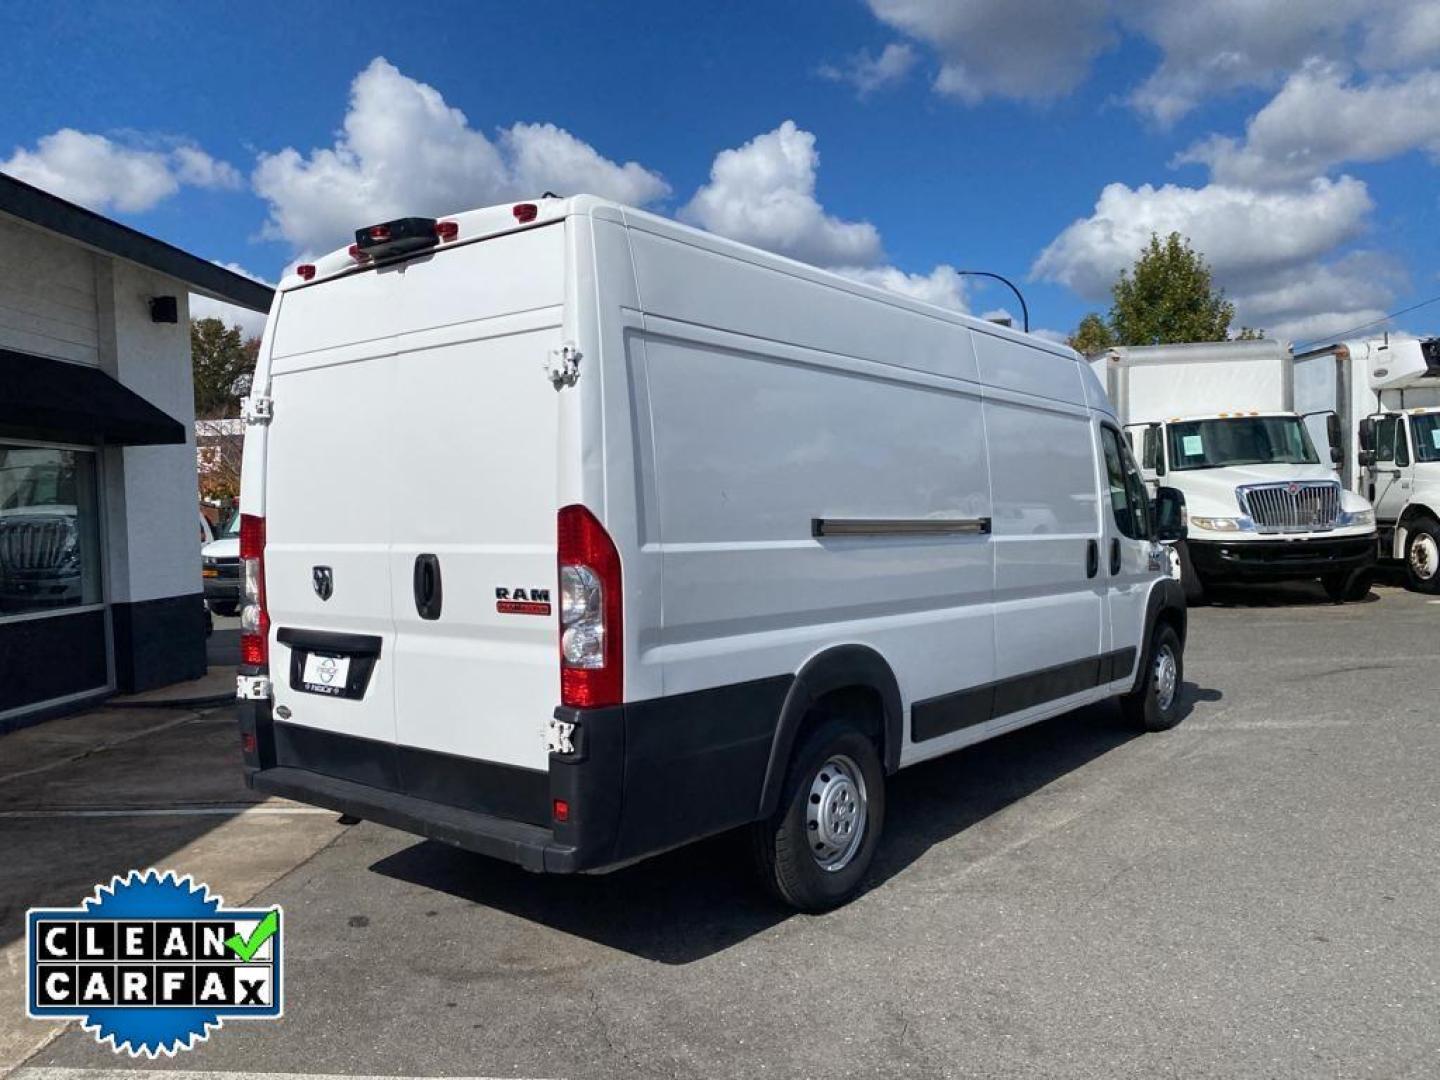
pixel 1386 392
pixel 571 534
pixel 1217 421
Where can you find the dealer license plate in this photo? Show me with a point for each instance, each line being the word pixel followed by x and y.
pixel 325 674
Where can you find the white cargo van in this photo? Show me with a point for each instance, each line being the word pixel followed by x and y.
pixel 1386 392
pixel 572 534
pixel 1217 421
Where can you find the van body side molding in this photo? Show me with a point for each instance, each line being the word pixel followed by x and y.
pixel 947 713
pixel 823 527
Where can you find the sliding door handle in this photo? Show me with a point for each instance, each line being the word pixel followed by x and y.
pixel 426 582
pixel 1092 558
pixel 1114 555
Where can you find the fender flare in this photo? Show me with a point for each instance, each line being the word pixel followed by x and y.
pixel 837 668
pixel 1167 596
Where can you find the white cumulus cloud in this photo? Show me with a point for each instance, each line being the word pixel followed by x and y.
pixel 1320 120
pixel 1280 254
pixel 402 150
pixel 251 323
pixel 106 175
pixel 763 193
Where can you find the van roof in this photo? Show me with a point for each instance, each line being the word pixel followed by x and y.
pixel 491 221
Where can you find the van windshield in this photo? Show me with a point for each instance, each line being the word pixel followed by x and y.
pixel 1241 440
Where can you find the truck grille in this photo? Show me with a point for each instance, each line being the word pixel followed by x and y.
pixel 36 544
pixel 1292 507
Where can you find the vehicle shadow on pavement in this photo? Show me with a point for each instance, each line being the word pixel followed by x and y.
pixel 688 904
pixel 1277 594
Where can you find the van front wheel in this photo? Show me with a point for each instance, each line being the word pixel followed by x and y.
pixel 1155 704
pixel 813 852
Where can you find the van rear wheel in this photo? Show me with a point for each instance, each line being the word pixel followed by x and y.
pixel 1155 704
pixel 814 851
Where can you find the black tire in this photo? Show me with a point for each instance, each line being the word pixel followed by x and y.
pixel 784 844
pixel 1348 586
pixel 226 608
pixel 1189 580
pixel 1422 544
pixel 1146 707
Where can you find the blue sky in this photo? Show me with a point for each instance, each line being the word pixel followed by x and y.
pixel 892 139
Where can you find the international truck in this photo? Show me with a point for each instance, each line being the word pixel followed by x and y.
pixel 1217 421
pixel 1386 393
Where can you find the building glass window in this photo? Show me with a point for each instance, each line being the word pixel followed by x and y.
pixel 49 530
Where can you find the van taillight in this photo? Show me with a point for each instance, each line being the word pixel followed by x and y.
pixel 254 619
pixel 592 644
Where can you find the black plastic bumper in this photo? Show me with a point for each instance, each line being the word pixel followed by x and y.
pixel 224 590
pixel 1279 560
pixel 643 777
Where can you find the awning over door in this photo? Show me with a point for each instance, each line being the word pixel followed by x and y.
pixel 42 398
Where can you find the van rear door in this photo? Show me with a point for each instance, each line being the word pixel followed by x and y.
pixel 412 452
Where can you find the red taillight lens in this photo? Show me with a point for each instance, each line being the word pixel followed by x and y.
pixel 306 271
pixel 254 619
pixel 524 211
pixel 447 230
pixel 560 810
pixel 380 233
pixel 592 646
pixel 357 254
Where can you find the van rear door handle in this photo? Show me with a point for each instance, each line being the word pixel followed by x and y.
pixel 426 582
pixel 1114 555
pixel 1092 558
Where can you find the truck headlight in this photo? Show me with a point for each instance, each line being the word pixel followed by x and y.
pixel 1216 524
pixel 1357 517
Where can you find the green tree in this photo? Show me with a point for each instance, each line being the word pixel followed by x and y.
pixel 1169 298
pixel 1249 333
pixel 1093 335
pixel 222 362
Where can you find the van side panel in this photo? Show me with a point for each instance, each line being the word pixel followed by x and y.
pixel 754 438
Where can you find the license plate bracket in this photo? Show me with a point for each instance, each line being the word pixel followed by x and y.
pixel 330 664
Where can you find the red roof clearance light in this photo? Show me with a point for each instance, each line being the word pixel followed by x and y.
pixel 525 212
pixel 306 271
pixel 358 255
pixel 447 230
pixel 380 233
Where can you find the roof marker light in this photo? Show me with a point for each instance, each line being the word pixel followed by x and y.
pixel 524 212
pixel 357 254
pixel 306 271
pixel 380 232
pixel 447 230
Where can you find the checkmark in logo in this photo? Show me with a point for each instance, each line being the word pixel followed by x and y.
pixel 245 948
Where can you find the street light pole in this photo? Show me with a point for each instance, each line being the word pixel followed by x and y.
pixel 1024 310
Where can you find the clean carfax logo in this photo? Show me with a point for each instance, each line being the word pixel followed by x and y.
pixel 150 963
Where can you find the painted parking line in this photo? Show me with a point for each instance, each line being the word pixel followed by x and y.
pixel 170 811
pixel 183 1074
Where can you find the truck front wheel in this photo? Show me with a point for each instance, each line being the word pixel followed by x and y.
pixel 814 851
pixel 1348 586
pixel 1422 555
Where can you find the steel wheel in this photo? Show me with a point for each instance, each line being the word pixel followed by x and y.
pixel 835 813
pixel 1424 556
pixel 1167 677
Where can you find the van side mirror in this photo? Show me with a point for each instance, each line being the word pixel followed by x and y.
pixel 1367 435
pixel 1169 514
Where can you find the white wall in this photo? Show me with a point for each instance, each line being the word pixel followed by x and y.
pixel 47 295
pixel 151 493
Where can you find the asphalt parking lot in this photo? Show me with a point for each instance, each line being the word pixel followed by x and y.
pixel 1250 895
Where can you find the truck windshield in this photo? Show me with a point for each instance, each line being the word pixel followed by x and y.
pixel 1425 430
pixel 1241 440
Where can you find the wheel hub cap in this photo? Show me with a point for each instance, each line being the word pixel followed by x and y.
pixel 1166 677
pixel 1424 556
pixel 835 813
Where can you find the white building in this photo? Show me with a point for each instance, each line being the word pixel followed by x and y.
pixel 100 588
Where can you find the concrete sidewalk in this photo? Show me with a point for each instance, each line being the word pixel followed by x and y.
pixel 90 796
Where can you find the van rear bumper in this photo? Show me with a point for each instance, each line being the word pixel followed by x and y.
pixel 1279 560
pixel 529 846
pixel 642 778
